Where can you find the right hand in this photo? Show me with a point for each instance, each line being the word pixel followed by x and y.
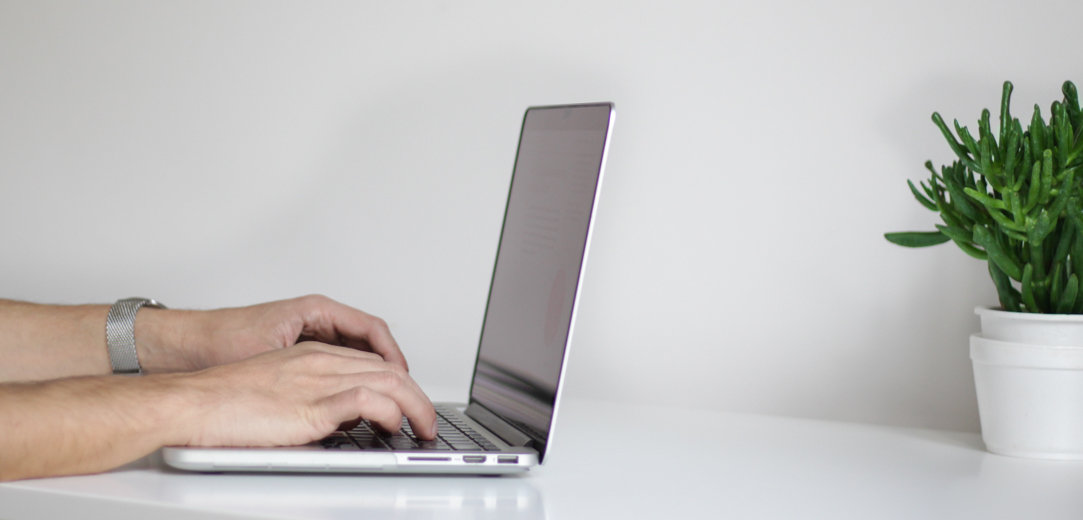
pixel 301 394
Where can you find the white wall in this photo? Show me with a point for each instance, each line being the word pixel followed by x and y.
pixel 223 153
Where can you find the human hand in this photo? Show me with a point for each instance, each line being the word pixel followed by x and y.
pixel 171 340
pixel 297 395
pixel 287 396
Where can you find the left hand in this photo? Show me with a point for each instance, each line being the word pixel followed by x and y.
pixel 172 341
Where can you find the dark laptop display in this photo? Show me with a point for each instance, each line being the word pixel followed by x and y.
pixel 535 280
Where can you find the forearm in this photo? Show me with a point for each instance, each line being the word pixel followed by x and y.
pixel 50 341
pixel 39 342
pixel 283 397
pixel 88 424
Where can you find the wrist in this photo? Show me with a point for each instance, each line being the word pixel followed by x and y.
pixel 193 400
pixel 175 403
pixel 163 340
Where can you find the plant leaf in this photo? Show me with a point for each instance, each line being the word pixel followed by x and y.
pixel 1066 303
pixel 921 197
pixel 963 239
pixel 955 145
pixel 1027 284
pixel 1009 296
pixel 984 238
pixel 917 238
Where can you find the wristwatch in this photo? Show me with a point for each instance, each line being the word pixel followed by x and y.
pixel 120 333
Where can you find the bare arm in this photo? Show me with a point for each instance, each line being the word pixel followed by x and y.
pixel 83 425
pixel 50 341
pixel 230 377
pixel 284 397
pixel 39 342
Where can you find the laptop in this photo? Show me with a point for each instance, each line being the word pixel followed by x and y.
pixel 508 424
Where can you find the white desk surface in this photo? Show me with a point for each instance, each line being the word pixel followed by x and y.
pixel 694 465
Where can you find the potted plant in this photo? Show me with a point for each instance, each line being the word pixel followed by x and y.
pixel 1014 199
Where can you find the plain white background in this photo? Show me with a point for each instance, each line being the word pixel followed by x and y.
pixel 223 153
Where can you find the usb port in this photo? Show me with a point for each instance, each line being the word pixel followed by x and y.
pixel 474 458
pixel 508 459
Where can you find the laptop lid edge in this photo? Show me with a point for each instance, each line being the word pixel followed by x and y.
pixel 489 418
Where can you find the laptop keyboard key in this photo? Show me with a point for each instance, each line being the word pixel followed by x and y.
pixel 485 444
pixel 338 441
pixel 371 443
pixel 463 444
pixel 437 444
pixel 399 442
pixel 454 434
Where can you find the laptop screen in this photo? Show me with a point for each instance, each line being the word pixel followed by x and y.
pixel 538 265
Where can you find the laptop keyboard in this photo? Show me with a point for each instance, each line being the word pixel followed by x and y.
pixel 454 435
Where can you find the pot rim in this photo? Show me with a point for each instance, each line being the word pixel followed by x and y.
pixel 999 313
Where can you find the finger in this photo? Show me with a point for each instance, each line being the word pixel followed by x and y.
pixel 366 403
pixel 380 340
pixel 337 353
pixel 414 404
pixel 331 369
pixel 332 322
pixel 338 369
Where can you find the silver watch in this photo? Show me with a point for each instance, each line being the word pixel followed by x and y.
pixel 120 333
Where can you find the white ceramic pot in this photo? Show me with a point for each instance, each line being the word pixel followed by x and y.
pixel 1028 373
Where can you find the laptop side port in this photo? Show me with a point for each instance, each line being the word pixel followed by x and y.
pixel 507 459
pixel 475 459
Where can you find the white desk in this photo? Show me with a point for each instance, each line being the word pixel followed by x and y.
pixel 730 466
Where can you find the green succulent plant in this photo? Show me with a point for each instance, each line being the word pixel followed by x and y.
pixel 1014 200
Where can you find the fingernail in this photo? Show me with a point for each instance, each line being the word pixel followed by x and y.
pixel 434 428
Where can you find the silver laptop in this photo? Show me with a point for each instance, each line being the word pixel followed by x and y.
pixel 509 422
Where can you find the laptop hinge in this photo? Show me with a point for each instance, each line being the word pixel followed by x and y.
pixel 495 424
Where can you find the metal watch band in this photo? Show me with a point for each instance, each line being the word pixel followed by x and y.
pixel 120 333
